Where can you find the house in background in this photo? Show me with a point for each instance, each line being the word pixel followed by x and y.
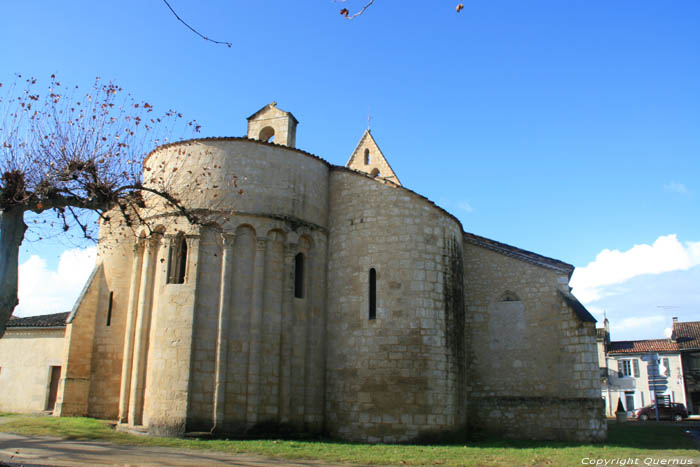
pixel 633 370
pixel 31 354
pixel 687 336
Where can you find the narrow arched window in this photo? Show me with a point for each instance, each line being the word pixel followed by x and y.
pixel 177 264
pixel 366 156
pixel 372 294
pixel 299 275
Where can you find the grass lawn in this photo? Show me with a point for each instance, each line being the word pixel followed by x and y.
pixel 633 440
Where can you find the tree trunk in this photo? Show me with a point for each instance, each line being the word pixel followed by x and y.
pixel 12 229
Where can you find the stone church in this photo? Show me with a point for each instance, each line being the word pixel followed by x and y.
pixel 318 298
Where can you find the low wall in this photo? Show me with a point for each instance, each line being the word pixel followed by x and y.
pixel 571 419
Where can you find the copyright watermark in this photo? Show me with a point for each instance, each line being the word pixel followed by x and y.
pixel 621 461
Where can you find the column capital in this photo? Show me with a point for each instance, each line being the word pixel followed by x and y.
pixel 137 246
pixel 228 238
pixel 260 243
pixel 152 241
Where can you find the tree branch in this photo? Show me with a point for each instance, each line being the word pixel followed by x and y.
pixel 345 12
pixel 228 44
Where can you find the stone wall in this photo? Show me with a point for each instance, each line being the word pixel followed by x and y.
pixel 549 418
pixel 398 376
pixel 76 377
pixel 231 348
pixel 526 345
pixel 26 358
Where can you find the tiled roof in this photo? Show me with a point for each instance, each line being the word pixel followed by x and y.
pixel 652 345
pixel 43 321
pixel 687 334
pixel 518 253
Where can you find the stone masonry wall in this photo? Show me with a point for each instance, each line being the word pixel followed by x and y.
pixel 108 340
pixel 395 377
pixel 257 359
pixel 532 363
pixel 76 374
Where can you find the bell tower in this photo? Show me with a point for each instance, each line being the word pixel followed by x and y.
pixel 273 125
pixel 368 158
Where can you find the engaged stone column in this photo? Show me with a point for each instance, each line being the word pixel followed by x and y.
pixel 141 333
pixel 255 332
pixel 129 331
pixel 286 332
pixel 222 331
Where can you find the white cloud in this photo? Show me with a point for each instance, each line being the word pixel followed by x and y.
pixel 635 325
pixel 42 290
pixel 676 187
pixel 667 253
pixel 465 206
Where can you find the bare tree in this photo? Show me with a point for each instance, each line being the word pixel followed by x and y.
pixel 72 153
pixel 368 3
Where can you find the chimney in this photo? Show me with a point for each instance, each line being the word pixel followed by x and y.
pixel 673 329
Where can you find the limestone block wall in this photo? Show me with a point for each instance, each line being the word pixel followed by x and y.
pixel 237 176
pixel 269 342
pixel 256 347
pixel 398 376
pixel 26 358
pixel 76 377
pixel 169 344
pixel 532 363
pixel 108 324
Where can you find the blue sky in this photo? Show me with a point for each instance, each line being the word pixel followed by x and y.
pixel 565 128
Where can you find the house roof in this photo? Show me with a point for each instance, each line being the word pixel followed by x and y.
pixel 578 308
pixel 687 334
pixel 519 253
pixel 644 346
pixel 54 320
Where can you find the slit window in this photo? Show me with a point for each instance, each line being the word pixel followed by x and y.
pixel 366 156
pixel 372 294
pixel 299 275
pixel 178 260
pixel 109 309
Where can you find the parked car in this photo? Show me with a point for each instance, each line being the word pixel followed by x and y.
pixel 674 411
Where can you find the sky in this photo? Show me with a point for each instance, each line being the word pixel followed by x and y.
pixel 570 129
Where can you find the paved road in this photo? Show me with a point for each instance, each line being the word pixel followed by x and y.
pixel 31 451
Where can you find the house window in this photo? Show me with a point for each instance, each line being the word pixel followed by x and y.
pixel 635 367
pixel 366 156
pixel 625 368
pixel 372 294
pixel 667 368
pixel 109 309
pixel 299 275
pixel 693 361
pixel 177 265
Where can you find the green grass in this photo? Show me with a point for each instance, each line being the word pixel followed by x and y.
pixel 629 440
